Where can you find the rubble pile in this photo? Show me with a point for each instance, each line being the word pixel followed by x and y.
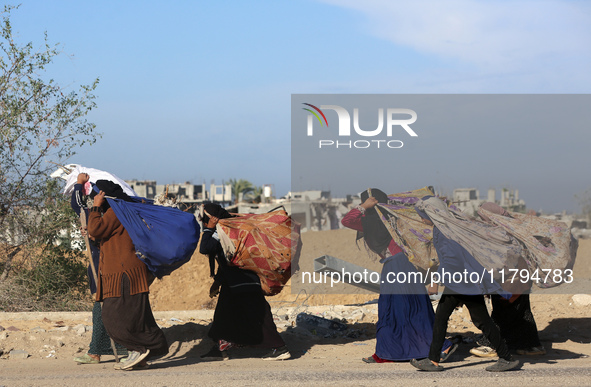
pixel 52 337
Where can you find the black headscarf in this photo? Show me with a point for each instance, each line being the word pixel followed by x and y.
pixel 214 210
pixel 217 211
pixel 375 233
pixel 110 189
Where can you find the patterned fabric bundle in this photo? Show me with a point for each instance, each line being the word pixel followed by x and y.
pixel 264 243
pixel 490 245
pixel 549 242
pixel 407 229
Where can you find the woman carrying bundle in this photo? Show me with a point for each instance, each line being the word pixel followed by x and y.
pixel 453 258
pixel 513 316
pixel 405 315
pixel 100 343
pixel 242 315
pixel 123 284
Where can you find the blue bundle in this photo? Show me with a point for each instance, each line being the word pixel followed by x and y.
pixel 164 237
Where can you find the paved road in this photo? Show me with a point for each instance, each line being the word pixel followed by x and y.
pixel 297 372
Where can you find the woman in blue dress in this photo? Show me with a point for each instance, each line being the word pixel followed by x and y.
pixel 405 315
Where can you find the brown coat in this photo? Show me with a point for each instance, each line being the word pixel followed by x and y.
pixel 117 256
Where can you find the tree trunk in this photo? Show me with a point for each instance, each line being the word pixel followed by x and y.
pixel 8 265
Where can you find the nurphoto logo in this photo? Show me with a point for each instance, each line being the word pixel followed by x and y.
pixel 395 118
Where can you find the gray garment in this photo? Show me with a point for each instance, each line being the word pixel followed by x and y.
pixel 100 343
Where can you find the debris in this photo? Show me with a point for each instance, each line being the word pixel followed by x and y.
pixel 60 329
pixel 59 341
pixel 319 324
pixel 80 329
pixel 582 299
pixel 357 315
pixel 18 354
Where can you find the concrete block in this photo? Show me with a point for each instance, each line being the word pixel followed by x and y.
pixel 18 354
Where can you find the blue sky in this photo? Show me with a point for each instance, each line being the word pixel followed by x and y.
pixel 201 91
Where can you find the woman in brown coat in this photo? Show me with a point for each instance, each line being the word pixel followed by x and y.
pixel 123 282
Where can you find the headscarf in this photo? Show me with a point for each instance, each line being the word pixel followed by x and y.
pixel 206 211
pixel 211 209
pixel 110 189
pixel 374 233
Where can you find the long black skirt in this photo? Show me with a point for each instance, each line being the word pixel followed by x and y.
pixel 129 321
pixel 516 322
pixel 244 319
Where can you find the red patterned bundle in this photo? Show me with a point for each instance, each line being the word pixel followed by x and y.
pixel 264 243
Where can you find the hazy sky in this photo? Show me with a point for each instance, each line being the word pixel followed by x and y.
pixel 533 143
pixel 201 91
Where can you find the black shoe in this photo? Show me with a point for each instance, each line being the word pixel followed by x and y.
pixel 281 353
pixel 503 365
pixel 215 354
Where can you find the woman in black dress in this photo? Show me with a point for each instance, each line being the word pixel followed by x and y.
pixel 242 315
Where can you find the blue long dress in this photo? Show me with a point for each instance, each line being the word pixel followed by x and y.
pixel 404 329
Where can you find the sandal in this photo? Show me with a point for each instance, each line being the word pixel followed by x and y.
pixel 369 360
pixel 444 356
pixel 426 365
pixel 87 359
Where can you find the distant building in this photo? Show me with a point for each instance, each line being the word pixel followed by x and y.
pixel 308 195
pixel 186 192
pixel 468 200
pixel 190 195
pixel 220 193
pixel 316 210
pixel 144 188
pixel 182 192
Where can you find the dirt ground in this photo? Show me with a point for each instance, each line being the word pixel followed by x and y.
pixel 184 310
pixel 188 287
